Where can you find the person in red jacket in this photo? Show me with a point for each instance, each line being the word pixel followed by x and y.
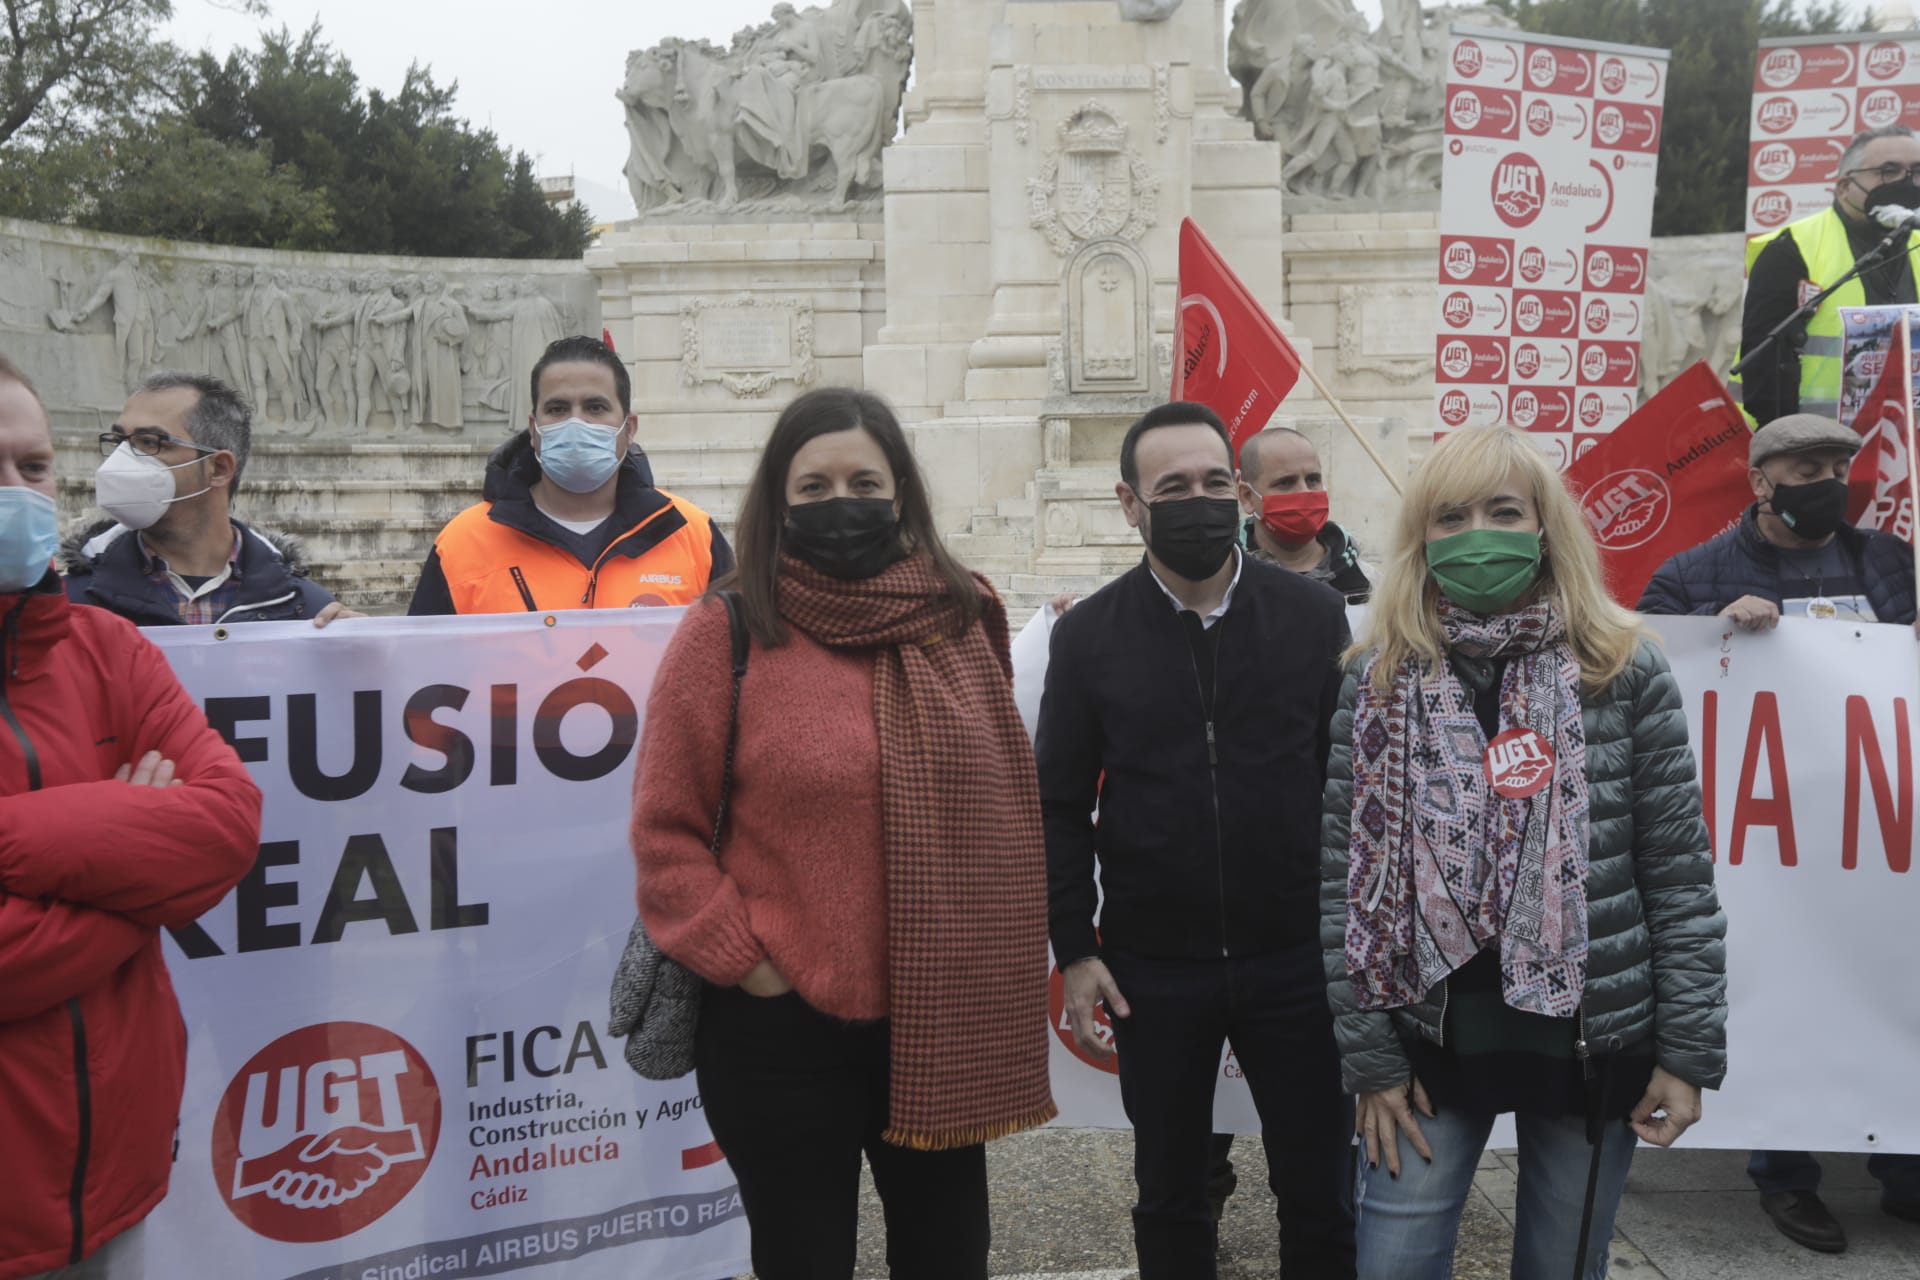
pixel 121 812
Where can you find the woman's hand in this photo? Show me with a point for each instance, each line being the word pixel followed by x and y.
pixel 1380 1118
pixel 1678 1105
pixel 764 980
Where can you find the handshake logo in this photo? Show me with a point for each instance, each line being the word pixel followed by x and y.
pixel 324 1131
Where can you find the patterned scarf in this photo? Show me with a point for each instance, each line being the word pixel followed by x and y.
pixel 1440 864
pixel 965 852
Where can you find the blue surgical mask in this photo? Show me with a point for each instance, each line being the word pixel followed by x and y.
pixel 29 537
pixel 578 455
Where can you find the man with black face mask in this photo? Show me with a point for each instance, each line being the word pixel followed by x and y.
pixel 1794 555
pixel 1190 701
pixel 1800 372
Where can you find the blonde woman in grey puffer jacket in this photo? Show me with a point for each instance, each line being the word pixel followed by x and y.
pixel 1517 902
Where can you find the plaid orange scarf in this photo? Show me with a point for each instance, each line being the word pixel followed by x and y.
pixel 965 854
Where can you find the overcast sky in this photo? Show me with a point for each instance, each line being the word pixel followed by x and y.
pixel 541 76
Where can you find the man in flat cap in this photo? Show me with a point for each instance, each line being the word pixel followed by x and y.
pixel 1794 555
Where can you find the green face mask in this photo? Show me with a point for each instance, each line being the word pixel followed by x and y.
pixel 1484 570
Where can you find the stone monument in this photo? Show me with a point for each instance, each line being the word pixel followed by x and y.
pixel 1008 284
pixel 792 116
pixel 1357 110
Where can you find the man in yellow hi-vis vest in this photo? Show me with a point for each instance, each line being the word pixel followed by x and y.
pixel 1800 372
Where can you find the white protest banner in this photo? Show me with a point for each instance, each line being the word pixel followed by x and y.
pixel 1811 94
pixel 397 1066
pixel 1546 219
pixel 1805 739
pixel 397 1062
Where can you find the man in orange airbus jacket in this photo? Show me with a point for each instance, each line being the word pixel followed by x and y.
pixel 569 518
pixel 121 812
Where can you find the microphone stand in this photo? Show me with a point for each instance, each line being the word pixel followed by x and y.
pixel 1866 261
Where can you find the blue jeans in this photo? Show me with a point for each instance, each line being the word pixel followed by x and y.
pixel 1798 1171
pixel 1407 1226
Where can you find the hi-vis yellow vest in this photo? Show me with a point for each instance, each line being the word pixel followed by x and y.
pixel 1822 241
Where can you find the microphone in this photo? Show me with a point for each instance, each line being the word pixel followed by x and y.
pixel 1896 217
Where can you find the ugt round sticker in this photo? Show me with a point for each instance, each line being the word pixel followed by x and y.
pixel 1519 763
pixel 325 1130
pixel 1063 1025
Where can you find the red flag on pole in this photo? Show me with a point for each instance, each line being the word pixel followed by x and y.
pixel 1880 490
pixel 1229 354
pixel 606 336
pixel 1671 476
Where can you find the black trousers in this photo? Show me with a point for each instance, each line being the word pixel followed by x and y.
pixel 793 1098
pixel 1274 1008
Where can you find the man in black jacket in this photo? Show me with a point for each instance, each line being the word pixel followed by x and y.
pixel 1189 700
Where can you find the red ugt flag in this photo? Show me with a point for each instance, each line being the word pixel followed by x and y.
pixel 1671 476
pixel 1229 354
pixel 1880 493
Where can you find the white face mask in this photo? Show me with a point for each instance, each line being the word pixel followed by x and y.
pixel 136 489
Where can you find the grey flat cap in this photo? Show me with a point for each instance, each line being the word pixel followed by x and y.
pixel 1797 433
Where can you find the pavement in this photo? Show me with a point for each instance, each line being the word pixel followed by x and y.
pixel 1060 1201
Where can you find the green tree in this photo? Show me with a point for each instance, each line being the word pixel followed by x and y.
pixel 1703 142
pixel 278 146
pixel 66 64
pixel 175 181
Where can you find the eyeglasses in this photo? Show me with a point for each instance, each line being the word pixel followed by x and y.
pixel 150 441
pixel 1892 171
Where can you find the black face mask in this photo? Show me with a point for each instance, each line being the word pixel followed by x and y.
pixel 1904 193
pixel 845 537
pixel 1812 510
pixel 1193 536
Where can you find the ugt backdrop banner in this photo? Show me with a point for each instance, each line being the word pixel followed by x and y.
pixel 397 1061
pixel 1805 739
pixel 1546 218
pixel 1811 94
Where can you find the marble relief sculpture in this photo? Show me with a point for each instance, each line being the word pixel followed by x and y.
pixel 1357 109
pixel 312 350
pixel 793 115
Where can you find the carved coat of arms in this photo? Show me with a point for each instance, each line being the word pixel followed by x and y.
pixel 1093 185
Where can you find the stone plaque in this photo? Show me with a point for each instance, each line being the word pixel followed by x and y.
pixel 746 338
pixel 1386 329
pixel 1087 77
pixel 1109 345
pixel 746 342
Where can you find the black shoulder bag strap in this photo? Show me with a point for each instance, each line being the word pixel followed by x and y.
pixel 742 645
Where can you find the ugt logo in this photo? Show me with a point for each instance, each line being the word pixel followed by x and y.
pixel 1519 189
pixel 1062 1023
pixel 1627 508
pixel 1519 763
pixel 325 1130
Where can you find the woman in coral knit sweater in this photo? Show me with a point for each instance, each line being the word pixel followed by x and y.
pixel 873 934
